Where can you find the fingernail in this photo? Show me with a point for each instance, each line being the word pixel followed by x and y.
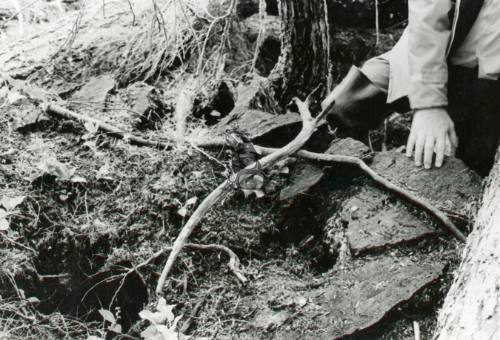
pixel 427 166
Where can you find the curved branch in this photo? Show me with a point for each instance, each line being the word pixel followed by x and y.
pixel 445 222
pixel 309 125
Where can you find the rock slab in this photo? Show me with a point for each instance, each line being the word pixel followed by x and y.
pixel 376 221
pixel 360 298
pixel 95 91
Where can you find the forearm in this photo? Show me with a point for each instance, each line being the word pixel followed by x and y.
pixel 429 33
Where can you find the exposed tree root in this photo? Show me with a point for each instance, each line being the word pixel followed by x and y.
pixel 110 129
pixel 272 156
pixel 309 126
pixel 442 217
pixel 445 222
pixel 233 264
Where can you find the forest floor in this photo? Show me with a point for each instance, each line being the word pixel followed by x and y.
pixel 327 254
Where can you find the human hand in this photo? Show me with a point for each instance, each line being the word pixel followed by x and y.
pixel 430 130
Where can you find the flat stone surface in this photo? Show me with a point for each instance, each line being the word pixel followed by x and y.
pixel 351 300
pixel 138 98
pixel 453 187
pixel 349 147
pixel 95 91
pixel 303 177
pixel 260 124
pixel 376 221
pixel 359 298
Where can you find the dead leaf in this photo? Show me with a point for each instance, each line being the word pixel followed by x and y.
pixel 191 201
pixel 78 179
pixel 4 224
pixel 51 166
pixel 164 313
pixel 104 171
pixel 10 203
pixel 248 193
pixel 117 328
pixel 182 212
pixel 269 319
pixel 107 315
pixel 13 97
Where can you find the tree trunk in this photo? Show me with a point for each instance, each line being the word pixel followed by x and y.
pixel 305 49
pixel 472 307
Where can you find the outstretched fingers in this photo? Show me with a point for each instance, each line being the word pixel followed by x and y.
pixel 440 150
pixel 430 142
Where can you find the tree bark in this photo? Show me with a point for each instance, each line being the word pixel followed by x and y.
pixel 305 49
pixel 472 307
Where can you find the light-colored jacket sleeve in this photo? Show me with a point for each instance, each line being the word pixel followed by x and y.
pixel 429 33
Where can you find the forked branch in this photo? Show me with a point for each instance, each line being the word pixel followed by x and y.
pixel 309 125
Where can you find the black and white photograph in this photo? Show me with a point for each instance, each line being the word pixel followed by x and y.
pixel 249 169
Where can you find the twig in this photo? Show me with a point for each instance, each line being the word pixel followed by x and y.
pixel 445 222
pixel 408 196
pixel 233 264
pixel 309 126
pixel 14 242
pixel 187 324
pixel 59 111
pixel 416 330
pixel 132 10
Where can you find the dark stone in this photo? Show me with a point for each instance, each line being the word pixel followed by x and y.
pixel 30 120
pixel 138 98
pixel 360 297
pixel 375 221
pixel 303 177
pixel 351 300
pixel 254 94
pixel 147 104
pixel 95 91
pixel 349 147
pixel 452 188
pixel 263 128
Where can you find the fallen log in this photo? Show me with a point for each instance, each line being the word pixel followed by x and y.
pixel 471 308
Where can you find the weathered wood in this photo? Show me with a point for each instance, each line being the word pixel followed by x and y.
pixel 472 307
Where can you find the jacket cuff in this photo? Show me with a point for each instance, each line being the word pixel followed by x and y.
pixel 425 95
